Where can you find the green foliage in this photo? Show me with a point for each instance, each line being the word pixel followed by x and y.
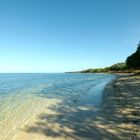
pixel 132 64
pixel 133 61
pixel 118 67
pixel 114 68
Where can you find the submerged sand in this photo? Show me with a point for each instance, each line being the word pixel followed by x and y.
pixel 117 118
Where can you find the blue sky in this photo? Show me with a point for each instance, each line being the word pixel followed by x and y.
pixel 66 35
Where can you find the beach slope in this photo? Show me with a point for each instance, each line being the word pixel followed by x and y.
pixel 117 118
pixel 121 107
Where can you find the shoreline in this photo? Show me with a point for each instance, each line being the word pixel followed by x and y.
pixel 121 106
pixel 116 118
pixel 66 119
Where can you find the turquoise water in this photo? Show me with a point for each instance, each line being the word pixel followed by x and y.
pixel 50 85
pixel 21 93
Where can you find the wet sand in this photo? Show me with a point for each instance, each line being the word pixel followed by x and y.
pixel 65 119
pixel 117 117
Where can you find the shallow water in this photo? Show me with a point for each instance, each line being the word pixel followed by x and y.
pixel 21 95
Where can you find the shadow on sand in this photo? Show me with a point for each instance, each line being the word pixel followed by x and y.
pixel 115 119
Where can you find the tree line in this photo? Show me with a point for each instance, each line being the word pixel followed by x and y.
pixel 132 63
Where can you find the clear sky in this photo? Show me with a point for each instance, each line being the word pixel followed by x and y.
pixel 66 35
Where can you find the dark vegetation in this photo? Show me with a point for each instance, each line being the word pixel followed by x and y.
pixel 132 64
pixel 133 61
pixel 116 67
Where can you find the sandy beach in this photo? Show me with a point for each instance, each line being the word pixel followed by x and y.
pixel 121 108
pixel 118 117
pixel 108 111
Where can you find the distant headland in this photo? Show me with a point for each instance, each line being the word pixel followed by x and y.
pixel 131 65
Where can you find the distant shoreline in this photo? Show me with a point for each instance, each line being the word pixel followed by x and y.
pixel 119 73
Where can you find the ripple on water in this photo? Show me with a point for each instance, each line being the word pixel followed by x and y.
pixel 23 95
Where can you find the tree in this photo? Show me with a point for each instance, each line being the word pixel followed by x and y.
pixel 133 61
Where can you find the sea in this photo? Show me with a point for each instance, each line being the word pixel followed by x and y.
pixel 22 95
